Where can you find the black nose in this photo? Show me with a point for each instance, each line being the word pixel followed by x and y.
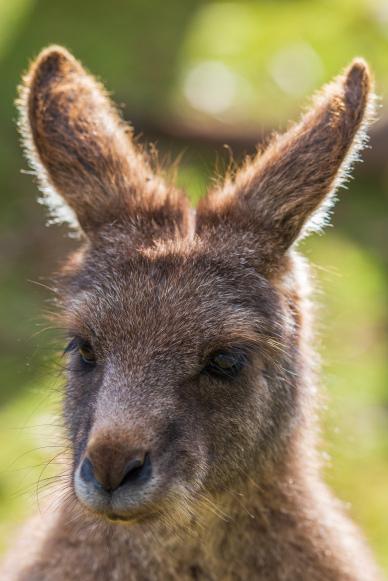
pixel 110 474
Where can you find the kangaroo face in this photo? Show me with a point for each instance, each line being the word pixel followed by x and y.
pixel 184 353
pixel 173 386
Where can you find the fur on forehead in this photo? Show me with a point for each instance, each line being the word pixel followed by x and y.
pixel 190 286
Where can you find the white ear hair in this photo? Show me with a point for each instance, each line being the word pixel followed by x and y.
pixel 58 210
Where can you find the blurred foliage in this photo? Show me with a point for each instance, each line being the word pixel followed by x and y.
pixel 352 293
pixel 202 64
pixel 277 52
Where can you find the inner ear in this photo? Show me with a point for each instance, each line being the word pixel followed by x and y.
pixel 82 150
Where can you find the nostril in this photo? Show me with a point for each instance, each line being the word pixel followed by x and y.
pixel 88 475
pixel 87 471
pixel 137 471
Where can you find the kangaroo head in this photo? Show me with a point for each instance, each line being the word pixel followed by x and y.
pixel 187 367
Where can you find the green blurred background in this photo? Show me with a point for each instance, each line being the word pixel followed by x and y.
pixel 193 76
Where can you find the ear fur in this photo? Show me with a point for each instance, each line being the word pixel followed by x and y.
pixel 276 196
pixel 83 153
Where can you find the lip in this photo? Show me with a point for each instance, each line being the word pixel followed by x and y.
pixel 139 518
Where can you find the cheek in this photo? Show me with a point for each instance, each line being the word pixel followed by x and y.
pixel 237 427
pixel 184 452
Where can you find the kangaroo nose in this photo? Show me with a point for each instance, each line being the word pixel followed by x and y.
pixel 111 468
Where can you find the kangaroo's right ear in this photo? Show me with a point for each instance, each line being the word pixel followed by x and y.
pixel 81 150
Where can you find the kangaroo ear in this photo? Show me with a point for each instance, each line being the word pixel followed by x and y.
pixel 287 190
pixel 81 150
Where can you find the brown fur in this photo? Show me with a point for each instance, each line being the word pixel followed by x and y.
pixel 235 492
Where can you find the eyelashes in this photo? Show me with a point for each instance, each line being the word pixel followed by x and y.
pixel 71 346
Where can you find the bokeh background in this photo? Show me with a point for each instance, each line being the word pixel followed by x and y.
pixel 193 76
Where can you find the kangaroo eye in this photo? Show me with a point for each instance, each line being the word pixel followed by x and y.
pixel 86 352
pixel 225 364
pixel 84 349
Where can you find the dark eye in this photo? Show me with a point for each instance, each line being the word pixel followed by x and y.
pixel 226 364
pixel 86 352
pixel 84 349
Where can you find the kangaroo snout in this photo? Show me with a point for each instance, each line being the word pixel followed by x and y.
pixel 113 474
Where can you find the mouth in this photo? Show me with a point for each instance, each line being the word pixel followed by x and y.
pixel 129 520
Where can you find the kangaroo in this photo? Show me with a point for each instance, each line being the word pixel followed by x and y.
pixel 190 402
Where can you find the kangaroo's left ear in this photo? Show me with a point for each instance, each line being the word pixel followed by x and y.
pixel 287 190
pixel 84 154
